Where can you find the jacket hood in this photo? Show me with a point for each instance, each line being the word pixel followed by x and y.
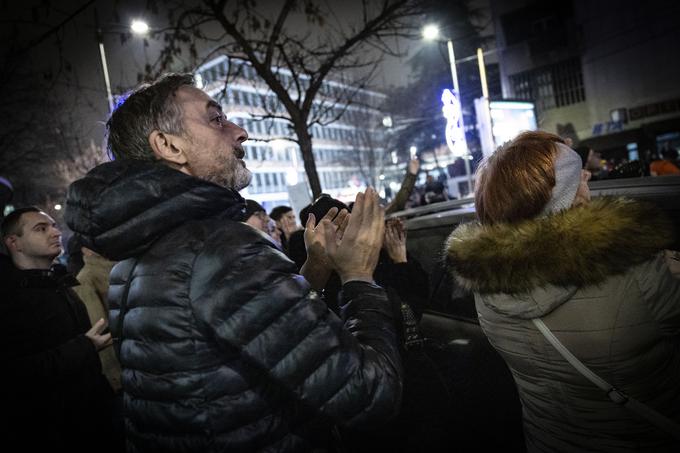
pixel 538 264
pixel 120 208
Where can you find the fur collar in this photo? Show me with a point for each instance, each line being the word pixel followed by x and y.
pixel 572 248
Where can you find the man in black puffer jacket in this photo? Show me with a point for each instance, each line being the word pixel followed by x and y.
pixel 223 346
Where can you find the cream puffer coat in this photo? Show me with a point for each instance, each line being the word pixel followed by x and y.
pixel 596 276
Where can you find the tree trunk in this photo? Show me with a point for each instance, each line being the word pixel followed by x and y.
pixel 305 143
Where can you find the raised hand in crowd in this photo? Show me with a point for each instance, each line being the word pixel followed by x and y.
pixel 318 267
pixel 355 256
pixel 413 166
pixel 395 240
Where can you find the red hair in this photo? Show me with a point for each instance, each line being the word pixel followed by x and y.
pixel 516 182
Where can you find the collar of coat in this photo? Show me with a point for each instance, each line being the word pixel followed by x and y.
pixel 120 208
pixel 573 248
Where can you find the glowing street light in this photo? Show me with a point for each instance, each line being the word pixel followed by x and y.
pixel 430 32
pixel 139 27
pixel 455 133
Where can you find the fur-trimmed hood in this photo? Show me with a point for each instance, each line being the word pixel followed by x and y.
pixel 543 261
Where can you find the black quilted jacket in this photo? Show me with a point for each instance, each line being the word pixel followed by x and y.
pixel 223 346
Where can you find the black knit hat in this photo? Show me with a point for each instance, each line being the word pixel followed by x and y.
pixel 253 207
pixel 321 206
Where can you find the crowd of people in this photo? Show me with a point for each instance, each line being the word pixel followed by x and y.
pixel 199 322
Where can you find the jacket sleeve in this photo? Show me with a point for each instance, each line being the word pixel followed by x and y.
pixel 245 294
pixel 404 193
pixel 661 291
pixel 57 362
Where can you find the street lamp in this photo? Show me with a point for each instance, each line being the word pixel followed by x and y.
pixel 137 27
pixel 453 111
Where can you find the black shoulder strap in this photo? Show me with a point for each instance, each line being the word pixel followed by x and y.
pixel 118 336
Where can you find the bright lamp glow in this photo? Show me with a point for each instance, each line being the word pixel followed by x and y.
pixel 57 207
pixel 430 32
pixel 139 27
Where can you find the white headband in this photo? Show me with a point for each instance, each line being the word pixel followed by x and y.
pixel 567 179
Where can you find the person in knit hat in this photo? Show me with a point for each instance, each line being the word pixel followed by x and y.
pixel 594 272
pixel 256 216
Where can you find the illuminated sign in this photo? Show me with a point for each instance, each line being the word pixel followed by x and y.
pixel 509 118
pixel 455 132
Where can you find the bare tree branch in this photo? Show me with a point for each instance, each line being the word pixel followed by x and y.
pixel 292 61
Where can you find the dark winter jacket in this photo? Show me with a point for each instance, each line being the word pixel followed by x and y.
pixel 53 392
pixel 595 276
pixel 223 346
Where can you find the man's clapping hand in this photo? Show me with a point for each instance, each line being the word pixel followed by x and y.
pixel 354 254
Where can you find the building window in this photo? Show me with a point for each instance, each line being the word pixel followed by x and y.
pixel 551 86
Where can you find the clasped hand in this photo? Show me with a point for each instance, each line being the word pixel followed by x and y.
pixel 348 243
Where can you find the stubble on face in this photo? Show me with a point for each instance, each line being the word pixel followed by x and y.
pixel 40 238
pixel 214 154
pixel 228 170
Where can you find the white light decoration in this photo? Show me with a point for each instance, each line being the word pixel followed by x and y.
pixel 57 207
pixel 455 132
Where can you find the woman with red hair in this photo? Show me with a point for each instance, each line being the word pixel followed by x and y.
pixel 593 273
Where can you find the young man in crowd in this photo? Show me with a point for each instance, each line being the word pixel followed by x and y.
pixel 54 394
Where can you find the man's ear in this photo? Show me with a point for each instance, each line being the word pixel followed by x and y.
pixel 168 147
pixel 11 243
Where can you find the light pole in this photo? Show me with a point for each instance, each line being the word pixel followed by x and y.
pixel 138 27
pixel 454 111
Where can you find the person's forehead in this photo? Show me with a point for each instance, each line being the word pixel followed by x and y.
pixel 31 219
pixel 188 95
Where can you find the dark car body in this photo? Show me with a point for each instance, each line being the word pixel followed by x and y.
pixel 485 412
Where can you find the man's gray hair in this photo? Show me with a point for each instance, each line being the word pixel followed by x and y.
pixel 150 107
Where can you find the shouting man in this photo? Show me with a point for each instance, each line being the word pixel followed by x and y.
pixel 223 346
